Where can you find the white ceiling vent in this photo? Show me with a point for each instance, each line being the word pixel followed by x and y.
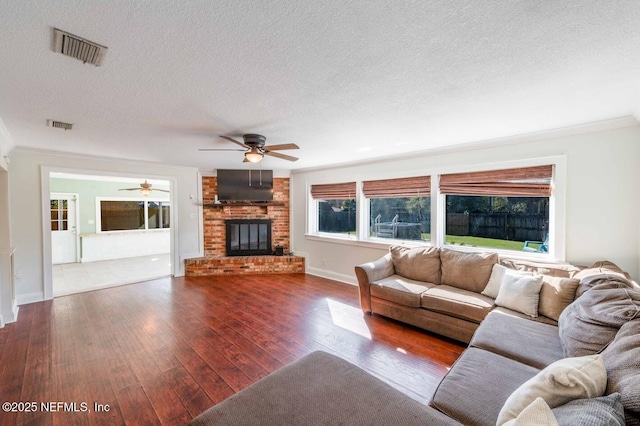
pixel 78 47
pixel 59 125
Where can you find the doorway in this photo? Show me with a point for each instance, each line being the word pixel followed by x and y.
pixel 107 230
pixel 64 228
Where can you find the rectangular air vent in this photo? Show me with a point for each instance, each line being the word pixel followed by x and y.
pixel 78 47
pixel 59 125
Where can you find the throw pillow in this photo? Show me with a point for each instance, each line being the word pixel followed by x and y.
pixel 591 322
pixel 495 280
pixel 556 294
pixel 603 411
pixel 559 383
pixel 468 271
pixel 622 360
pixel 536 413
pixel 417 263
pixel 520 293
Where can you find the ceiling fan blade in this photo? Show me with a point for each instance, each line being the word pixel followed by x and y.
pixel 281 146
pixel 161 190
pixel 220 149
pixel 129 189
pixel 234 141
pixel 282 156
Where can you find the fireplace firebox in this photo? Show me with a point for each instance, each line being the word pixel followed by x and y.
pixel 248 237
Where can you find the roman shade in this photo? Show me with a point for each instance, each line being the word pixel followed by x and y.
pixel 521 182
pixel 333 191
pixel 419 186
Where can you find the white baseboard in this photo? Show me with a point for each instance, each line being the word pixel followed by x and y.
pixel 332 275
pixel 10 317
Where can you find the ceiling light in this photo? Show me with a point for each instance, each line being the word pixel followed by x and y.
pixel 145 191
pixel 253 156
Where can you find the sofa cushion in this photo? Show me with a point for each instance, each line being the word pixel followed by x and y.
pixel 591 322
pixel 478 384
pixel 556 294
pixel 520 293
pixel 401 290
pixel 521 339
pixel 563 270
pixel 601 411
pixel 622 359
pixel 457 302
pixel 469 271
pixel 498 272
pixel 417 263
pixel 563 381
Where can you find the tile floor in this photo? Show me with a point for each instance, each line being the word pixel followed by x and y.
pixel 72 278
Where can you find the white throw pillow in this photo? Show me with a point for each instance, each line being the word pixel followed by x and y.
pixel 520 293
pixel 559 383
pixel 497 275
pixel 536 413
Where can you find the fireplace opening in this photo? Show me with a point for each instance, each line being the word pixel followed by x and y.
pixel 248 237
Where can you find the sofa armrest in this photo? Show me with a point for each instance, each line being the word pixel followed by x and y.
pixel 369 272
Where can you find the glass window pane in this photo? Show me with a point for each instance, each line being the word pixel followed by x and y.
pixel 405 218
pixel 337 216
pixel 166 215
pixel 153 215
pixel 507 223
pixel 65 225
pixel 121 215
pixel 54 225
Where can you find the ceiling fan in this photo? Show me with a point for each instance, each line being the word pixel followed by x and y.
pixel 255 149
pixel 145 189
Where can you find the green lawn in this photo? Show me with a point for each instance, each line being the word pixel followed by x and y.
pixel 484 242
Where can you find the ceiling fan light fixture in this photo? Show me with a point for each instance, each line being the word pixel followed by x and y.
pixel 253 156
pixel 145 191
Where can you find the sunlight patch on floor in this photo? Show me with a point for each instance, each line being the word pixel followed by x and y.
pixel 347 317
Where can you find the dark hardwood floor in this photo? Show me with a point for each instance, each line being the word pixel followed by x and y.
pixel 161 352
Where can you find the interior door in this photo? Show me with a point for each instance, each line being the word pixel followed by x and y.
pixel 64 235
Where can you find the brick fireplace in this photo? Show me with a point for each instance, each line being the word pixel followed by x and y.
pixel 215 216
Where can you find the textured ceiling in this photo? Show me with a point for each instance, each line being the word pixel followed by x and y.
pixel 345 80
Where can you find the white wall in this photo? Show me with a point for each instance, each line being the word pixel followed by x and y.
pixel 602 203
pixel 27 183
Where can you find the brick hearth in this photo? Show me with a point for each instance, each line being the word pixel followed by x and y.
pixel 215 262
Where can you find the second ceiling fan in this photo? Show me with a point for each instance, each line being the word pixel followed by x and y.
pixel 255 148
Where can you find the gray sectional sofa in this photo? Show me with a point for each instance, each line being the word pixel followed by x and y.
pixel 565 350
pixel 519 317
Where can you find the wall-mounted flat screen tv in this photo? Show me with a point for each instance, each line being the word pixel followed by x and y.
pixel 245 185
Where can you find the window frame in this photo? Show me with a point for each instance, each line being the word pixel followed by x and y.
pixel 145 200
pixel 366 201
pixel 557 210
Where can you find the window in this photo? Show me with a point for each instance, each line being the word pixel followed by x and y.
pixel 519 208
pixel 59 215
pixel 133 215
pixel 335 208
pixel 498 209
pixel 399 208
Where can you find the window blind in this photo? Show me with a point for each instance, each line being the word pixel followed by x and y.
pixel 419 186
pixel 334 191
pixel 521 182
